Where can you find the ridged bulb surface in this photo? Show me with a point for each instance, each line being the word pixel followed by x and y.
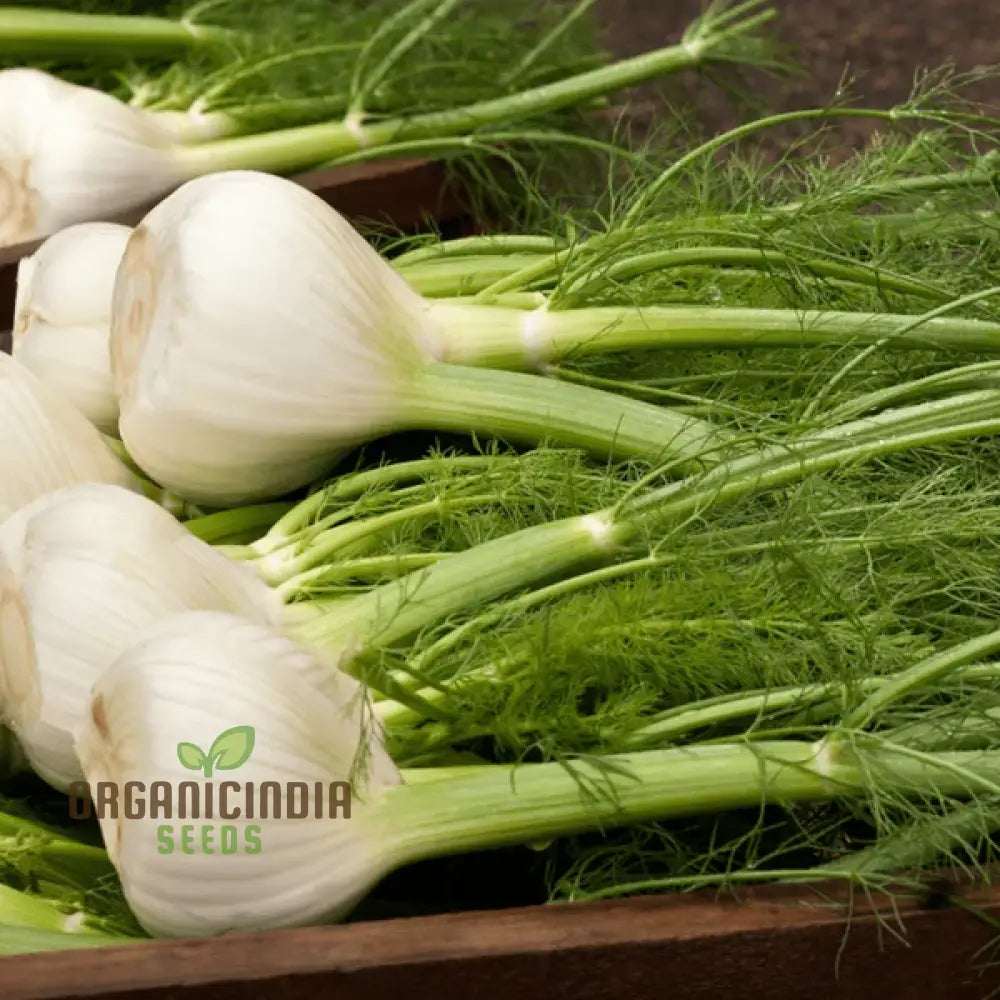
pixel 46 442
pixel 83 571
pixel 62 316
pixel 189 680
pixel 255 337
pixel 70 154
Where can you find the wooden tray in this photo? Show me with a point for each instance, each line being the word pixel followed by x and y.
pixel 403 194
pixel 776 943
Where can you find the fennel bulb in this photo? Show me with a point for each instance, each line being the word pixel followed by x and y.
pixel 46 443
pixel 62 316
pixel 244 369
pixel 82 570
pixel 70 154
pixel 64 294
pixel 187 680
pixel 206 708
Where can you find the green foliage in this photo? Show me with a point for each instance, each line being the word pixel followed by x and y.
pixel 320 58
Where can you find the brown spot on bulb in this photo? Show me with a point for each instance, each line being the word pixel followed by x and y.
pixel 99 716
pixel 22 297
pixel 18 204
pixel 133 309
pixel 18 669
pixel 95 751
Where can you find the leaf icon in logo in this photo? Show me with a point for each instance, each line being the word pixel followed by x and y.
pixel 232 748
pixel 191 756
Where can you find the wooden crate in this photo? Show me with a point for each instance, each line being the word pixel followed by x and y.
pixel 777 943
pixel 403 194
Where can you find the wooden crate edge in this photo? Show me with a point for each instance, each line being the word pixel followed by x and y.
pixel 768 943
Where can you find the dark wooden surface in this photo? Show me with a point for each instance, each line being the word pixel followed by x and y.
pixel 778 944
pixel 402 194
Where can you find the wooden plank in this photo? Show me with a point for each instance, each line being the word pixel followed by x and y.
pixel 402 194
pixel 775 943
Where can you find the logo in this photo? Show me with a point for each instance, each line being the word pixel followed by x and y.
pixel 210 800
pixel 230 750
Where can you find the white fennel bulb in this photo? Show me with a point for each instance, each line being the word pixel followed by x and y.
pixel 62 316
pixel 46 443
pixel 206 709
pixel 251 321
pixel 255 336
pixel 70 154
pixel 82 571
pixel 188 680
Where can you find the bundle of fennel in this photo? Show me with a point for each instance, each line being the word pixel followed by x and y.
pixel 834 720
pixel 288 90
pixel 776 650
pixel 374 357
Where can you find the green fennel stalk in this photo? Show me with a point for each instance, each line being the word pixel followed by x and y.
pixel 38 31
pixel 709 39
pixel 519 338
pixel 555 550
pixel 366 523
